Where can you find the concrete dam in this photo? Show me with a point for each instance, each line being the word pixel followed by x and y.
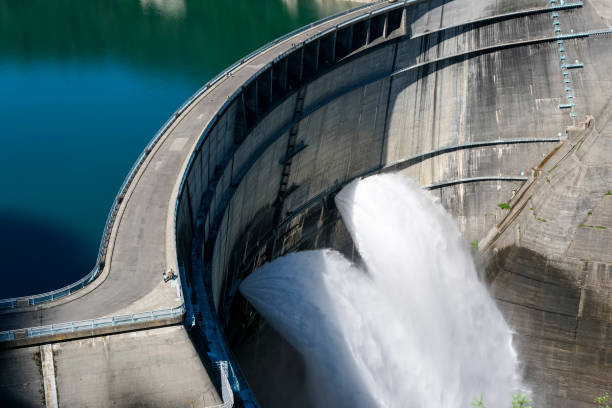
pixel 500 108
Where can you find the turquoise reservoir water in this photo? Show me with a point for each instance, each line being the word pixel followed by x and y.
pixel 83 86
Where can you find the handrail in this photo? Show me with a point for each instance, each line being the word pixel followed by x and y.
pixel 106 235
pixel 466 180
pixel 55 294
pixel 92 324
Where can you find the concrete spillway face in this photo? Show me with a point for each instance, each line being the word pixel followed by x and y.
pixel 413 326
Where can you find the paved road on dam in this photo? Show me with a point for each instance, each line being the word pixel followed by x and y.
pixel 142 243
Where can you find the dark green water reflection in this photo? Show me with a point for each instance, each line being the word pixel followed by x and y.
pixel 84 85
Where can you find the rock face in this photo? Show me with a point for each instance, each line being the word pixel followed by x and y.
pixel 501 108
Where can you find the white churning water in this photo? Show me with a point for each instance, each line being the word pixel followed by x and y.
pixel 413 327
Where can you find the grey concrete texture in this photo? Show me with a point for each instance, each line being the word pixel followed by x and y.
pixel 554 282
pixel 359 118
pixel 604 10
pixel 21 382
pixel 145 368
pixel 152 368
pixel 259 183
pixel 345 135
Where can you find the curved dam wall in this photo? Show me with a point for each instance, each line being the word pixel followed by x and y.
pixel 470 100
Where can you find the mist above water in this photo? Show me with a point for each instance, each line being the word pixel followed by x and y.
pixel 412 327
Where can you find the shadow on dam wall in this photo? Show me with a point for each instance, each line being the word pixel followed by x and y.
pixel 319 224
pixel 549 309
pixel 462 95
pixel 259 348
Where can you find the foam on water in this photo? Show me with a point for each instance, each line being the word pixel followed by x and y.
pixel 412 327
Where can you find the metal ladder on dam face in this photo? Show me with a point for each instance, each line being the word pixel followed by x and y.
pixel 565 66
pixel 293 148
pixel 284 189
pixel 567 80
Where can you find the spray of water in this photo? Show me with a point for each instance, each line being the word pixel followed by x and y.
pixel 413 327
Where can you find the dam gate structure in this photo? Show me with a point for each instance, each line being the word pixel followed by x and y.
pixel 484 103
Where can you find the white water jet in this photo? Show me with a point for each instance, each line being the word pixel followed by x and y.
pixel 412 328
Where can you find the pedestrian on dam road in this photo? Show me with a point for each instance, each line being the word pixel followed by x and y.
pixel 169 275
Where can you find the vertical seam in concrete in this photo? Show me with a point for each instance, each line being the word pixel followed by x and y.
pixel 581 303
pixel 48 372
pixel 580 310
pixel 227 285
pixel 385 125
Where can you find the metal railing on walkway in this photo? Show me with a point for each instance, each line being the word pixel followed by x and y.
pixel 92 324
pixel 56 294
